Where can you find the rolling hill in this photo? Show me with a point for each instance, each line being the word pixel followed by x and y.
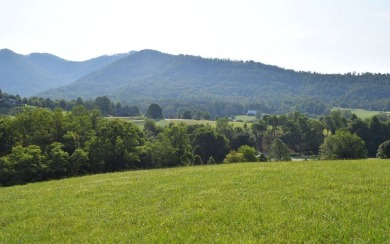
pixel 305 202
pixel 27 75
pixel 150 75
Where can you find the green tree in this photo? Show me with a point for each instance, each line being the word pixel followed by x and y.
pixel 58 161
pixel 71 141
pixel 334 121
pixel 259 129
pixel 211 161
pixel 208 144
pixel 378 133
pixel 154 112
pixel 234 157
pixel 23 165
pixel 343 145
pixel 105 105
pixel 82 123
pixel 206 115
pixel 79 162
pixel 313 136
pixel 262 158
pixel 248 152
pixel 197 160
pixel 180 140
pixel 35 127
pixel 187 115
pixel 151 129
pixel 7 136
pixel 279 151
pixel 384 150
pixel 115 146
pixel 241 136
pixel 58 124
pixel 160 153
pixel 224 128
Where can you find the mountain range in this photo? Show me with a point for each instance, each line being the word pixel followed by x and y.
pixel 149 75
pixel 26 75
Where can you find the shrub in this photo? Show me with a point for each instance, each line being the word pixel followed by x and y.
pixel 234 157
pixel 384 150
pixel 262 158
pixel 343 145
pixel 211 161
pixel 248 152
pixel 197 160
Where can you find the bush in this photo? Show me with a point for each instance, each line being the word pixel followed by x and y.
pixel 197 160
pixel 262 158
pixel 343 145
pixel 211 161
pixel 248 152
pixel 234 157
pixel 384 150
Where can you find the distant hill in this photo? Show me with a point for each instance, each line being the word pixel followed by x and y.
pixel 154 76
pixel 27 75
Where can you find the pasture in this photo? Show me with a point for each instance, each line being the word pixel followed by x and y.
pixel 140 121
pixel 312 201
pixel 360 113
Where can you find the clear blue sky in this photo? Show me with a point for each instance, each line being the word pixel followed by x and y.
pixel 313 35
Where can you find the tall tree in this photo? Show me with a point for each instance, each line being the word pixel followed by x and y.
pixel 154 112
pixel 208 144
pixel 343 145
pixel 116 145
pixel 105 105
pixel 384 150
pixel 279 151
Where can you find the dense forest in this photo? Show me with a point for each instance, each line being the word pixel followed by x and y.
pixel 41 144
pixel 183 82
pixel 10 104
pixel 150 76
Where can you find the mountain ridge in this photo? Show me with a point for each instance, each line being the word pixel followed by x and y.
pixel 27 75
pixel 150 75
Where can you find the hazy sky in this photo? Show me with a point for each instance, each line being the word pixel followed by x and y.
pixel 312 35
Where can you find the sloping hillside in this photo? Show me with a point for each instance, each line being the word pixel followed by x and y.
pixel 154 75
pixel 28 75
pixel 305 202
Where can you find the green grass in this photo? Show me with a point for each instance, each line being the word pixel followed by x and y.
pixel 315 201
pixel 360 113
pixel 165 122
pixel 246 118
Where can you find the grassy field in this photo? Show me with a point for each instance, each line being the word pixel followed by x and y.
pixel 246 118
pixel 316 201
pixel 165 122
pixel 361 113
pixel 213 123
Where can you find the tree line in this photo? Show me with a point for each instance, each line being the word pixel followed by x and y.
pixel 40 144
pixel 177 108
pixel 11 104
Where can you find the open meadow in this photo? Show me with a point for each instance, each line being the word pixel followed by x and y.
pixel 287 202
pixel 140 121
pixel 360 113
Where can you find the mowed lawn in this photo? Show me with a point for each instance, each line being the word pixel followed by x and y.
pixel 294 202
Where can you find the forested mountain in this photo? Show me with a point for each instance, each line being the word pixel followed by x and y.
pixel 154 76
pixel 27 75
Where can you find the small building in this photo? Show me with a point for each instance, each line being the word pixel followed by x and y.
pixel 252 112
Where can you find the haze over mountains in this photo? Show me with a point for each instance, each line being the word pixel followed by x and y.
pixel 148 75
pixel 27 75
